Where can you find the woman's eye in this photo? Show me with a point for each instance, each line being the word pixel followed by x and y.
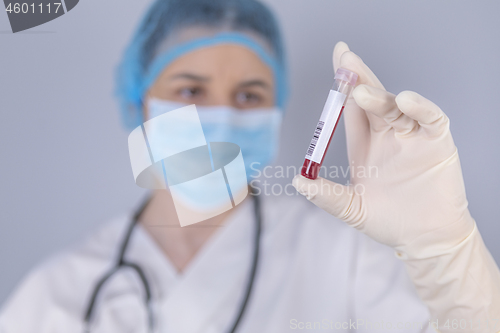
pixel 190 93
pixel 247 99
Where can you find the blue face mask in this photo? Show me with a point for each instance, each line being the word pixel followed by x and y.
pixel 256 131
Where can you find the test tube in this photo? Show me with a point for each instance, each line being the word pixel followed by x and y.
pixel 345 81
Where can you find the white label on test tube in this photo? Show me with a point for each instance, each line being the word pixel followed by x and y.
pixel 326 125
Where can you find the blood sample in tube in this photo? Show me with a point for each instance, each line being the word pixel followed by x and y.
pixel 345 81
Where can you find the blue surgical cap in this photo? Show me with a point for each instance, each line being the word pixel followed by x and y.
pixel 172 28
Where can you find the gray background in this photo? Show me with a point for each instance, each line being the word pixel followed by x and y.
pixel 64 162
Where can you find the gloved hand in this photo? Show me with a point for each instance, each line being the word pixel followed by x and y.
pixel 411 195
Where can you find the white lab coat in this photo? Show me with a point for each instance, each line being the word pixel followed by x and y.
pixel 315 274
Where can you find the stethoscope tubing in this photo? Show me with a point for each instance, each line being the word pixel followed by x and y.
pixel 122 263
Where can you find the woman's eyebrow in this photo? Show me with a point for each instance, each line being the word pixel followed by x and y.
pixel 256 82
pixel 190 76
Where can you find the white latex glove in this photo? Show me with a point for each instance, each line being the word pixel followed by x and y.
pixel 414 200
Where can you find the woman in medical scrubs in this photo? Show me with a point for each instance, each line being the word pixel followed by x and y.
pixel 404 255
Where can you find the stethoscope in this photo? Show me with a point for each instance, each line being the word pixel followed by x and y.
pixel 122 263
